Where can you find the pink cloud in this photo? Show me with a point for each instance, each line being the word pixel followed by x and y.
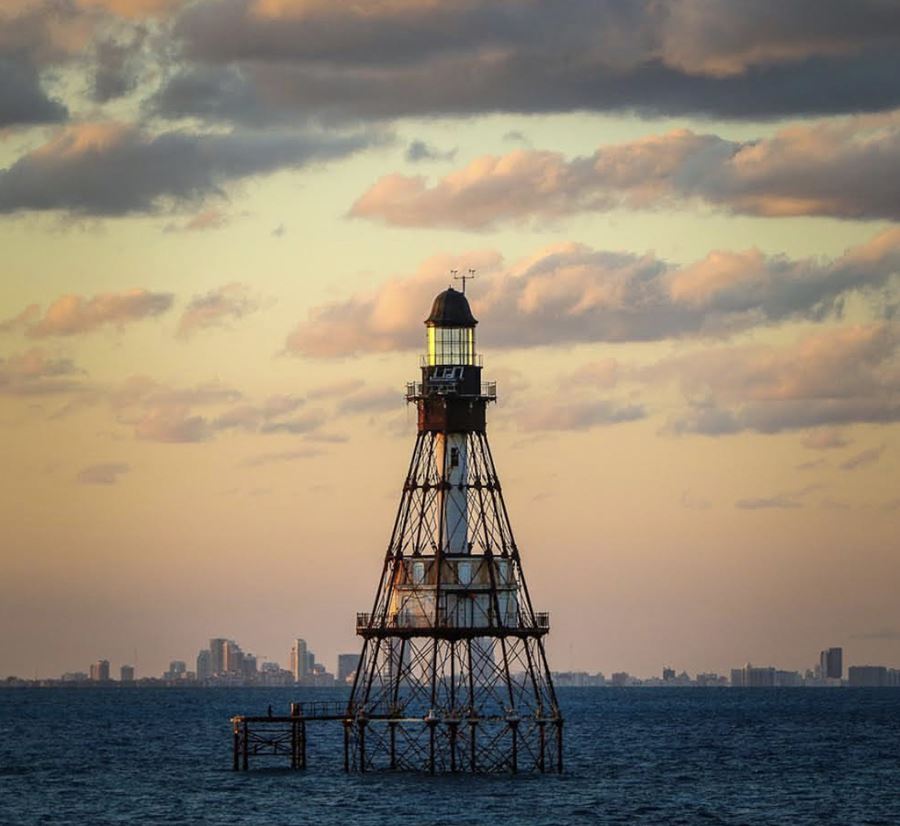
pixel 104 473
pixel 831 168
pixel 172 424
pixel 22 320
pixel 35 372
pixel 75 314
pixel 825 439
pixel 830 378
pixel 571 293
pixel 217 308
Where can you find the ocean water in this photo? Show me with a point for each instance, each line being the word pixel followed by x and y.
pixel 635 756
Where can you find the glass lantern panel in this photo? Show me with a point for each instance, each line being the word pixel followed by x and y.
pixel 451 345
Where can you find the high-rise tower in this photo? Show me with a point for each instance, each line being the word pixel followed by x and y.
pixel 453 674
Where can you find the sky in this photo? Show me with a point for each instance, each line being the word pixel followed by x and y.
pixel 223 223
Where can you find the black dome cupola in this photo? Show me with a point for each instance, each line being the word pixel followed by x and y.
pixel 451 309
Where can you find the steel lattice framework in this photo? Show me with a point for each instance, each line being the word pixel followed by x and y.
pixel 453 673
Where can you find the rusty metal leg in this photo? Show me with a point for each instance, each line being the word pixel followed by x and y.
pixel 452 727
pixel 236 753
pixel 514 730
pixel 347 724
pixel 542 743
pixel 559 746
pixel 362 745
pixel 303 744
pixel 392 727
pixel 432 724
pixel 246 748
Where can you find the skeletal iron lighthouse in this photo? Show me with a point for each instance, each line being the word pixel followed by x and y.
pixel 453 674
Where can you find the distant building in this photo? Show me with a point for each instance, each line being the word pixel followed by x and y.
pixel 74 677
pixel 706 679
pixel 868 676
pixel 248 666
pixel 217 655
pixel 752 677
pixel 300 665
pixel 346 667
pixel 621 678
pixel 788 679
pixel 126 674
pixel 100 671
pixel 204 664
pixel 177 671
pixel 668 674
pixel 234 658
pixel 831 663
pixel 573 679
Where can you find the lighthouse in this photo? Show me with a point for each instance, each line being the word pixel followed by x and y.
pixel 453 674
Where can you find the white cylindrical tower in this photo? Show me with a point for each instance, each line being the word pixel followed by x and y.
pixel 451 370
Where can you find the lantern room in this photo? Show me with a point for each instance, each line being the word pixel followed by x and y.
pixel 451 330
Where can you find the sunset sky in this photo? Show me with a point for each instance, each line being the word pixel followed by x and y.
pixel 223 222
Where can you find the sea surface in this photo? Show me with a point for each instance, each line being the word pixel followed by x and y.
pixel 633 755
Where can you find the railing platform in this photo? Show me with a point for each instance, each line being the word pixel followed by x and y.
pixel 447 629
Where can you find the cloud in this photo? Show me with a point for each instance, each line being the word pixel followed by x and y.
pixel 257 61
pixel 216 308
pixel 825 439
pixel 308 422
pixel 569 293
pixel 206 219
pixel 600 373
pixel 341 388
pixel 35 373
pixel 779 501
pixel 834 168
pixel 22 99
pixel 109 169
pixel 163 413
pixel 834 377
pixel 116 66
pixel 173 424
pixel 75 314
pixel 863 459
pixel 788 500
pixel 577 415
pixel 420 151
pixel 257 417
pixel 105 473
pixel 144 391
pixel 134 8
pixel 22 320
pixel 517 136
pixel 371 400
pixel 280 457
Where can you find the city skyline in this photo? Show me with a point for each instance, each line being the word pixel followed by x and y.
pixel 830 667
pixel 223 224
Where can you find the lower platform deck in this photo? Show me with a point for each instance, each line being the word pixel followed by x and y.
pixel 532 743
